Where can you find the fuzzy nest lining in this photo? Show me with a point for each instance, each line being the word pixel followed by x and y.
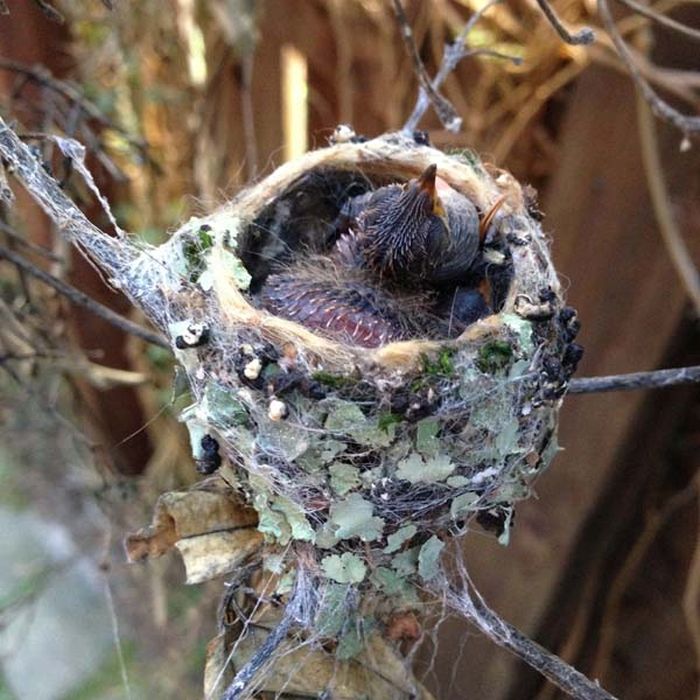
pixel 365 460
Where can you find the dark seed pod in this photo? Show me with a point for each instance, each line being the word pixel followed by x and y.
pixel 210 460
pixel 195 335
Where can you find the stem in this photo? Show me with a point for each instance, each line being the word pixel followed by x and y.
pixel 82 299
pixel 658 379
pixel 293 613
pixel 111 255
pixel 505 635
pixel 584 36
pixel 670 233
pixel 661 109
pixel 443 107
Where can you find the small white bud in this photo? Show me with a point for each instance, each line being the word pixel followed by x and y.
pixel 342 134
pixel 252 369
pixel 277 410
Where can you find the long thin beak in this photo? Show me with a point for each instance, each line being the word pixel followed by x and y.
pixel 488 217
pixel 426 181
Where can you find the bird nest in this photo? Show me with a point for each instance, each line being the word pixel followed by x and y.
pixel 340 471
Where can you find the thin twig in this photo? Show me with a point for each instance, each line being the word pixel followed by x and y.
pixel 670 233
pixel 82 299
pixel 50 11
pixel 42 76
pixel 291 615
pixel 667 22
pixel 22 241
pixel 583 36
pixel 472 606
pixel 658 379
pixel 443 107
pixel 661 109
pixel 112 255
pixel 452 55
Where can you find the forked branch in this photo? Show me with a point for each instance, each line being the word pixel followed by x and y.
pixel 686 124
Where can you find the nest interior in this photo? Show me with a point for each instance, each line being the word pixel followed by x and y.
pixel 361 462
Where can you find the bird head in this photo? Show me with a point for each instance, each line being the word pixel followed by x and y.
pixel 423 190
pixel 399 223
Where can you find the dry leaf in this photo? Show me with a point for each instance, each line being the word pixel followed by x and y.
pixel 213 530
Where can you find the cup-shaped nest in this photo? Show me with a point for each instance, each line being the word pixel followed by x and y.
pixel 363 454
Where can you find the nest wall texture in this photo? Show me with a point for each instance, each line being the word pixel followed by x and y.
pixel 341 469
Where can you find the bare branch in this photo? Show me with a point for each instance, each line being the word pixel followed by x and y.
pixel 82 299
pixel 20 240
pixel 443 107
pixel 658 379
pixel 670 233
pixel 472 607
pixel 453 54
pixel 112 255
pixel 667 22
pixel 584 36
pixel 661 109
pixel 42 76
pixel 50 11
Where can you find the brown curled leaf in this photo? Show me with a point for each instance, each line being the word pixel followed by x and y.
pixel 181 515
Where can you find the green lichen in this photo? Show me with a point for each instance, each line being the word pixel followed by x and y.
pixel 507 436
pixel 193 250
pixel 395 586
pixel 222 406
pixel 395 541
pixel 463 504
pixel 415 469
pixel 331 449
pixel 236 270
pixel 522 329
pixel 345 417
pixel 334 381
pixel 344 568
pixel 352 641
pixel 353 517
pixel 279 518
pixel 344 477
pixel 286 583
pixel 440 366
pixel 406 563
pixel 426 436
pixel 494 356
pixel 429 559
pixel 386 421
pixel 284 437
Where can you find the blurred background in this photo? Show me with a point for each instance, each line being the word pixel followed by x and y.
pixel 179 104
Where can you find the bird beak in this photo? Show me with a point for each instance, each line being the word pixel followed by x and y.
pixel 427 183
pixel 488 217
